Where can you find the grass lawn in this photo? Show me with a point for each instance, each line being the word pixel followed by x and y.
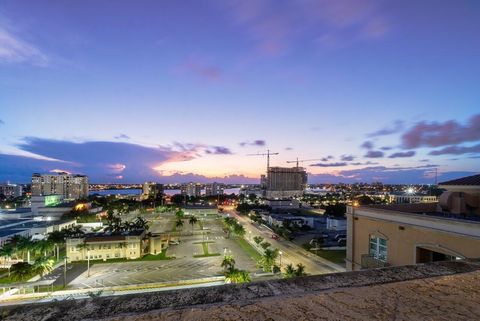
pixel 247 248
pixel 335 256
pixel 206 253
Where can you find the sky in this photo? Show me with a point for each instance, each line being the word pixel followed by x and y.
pixel 177 91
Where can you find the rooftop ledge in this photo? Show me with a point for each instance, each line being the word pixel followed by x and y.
pixel 448 290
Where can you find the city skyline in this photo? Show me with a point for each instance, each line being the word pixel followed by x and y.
pixel 123 93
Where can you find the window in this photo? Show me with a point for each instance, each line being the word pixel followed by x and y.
pixel 378 248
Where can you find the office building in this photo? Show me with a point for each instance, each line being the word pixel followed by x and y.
pixel 191 189
pixel 286 182
pixel 70 186
pixel 401 234
pixel 11 190
pixel 214 189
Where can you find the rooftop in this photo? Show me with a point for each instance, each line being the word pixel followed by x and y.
pixel 429 209
pixel 473 180
pixel 436 291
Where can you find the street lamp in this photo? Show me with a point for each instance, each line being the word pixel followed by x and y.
pixel 88 263
pixel 280 253
pixel 65 271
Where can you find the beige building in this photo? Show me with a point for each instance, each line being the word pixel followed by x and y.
pixel 70 186
pixel 131 245
pixel 401 234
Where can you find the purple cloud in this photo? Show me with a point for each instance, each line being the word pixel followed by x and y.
pixel 199 68
pixel 327 158
pixel 436 134
pixel 122 136
pixel 402 154
pixel 395 128
pixel 386 148
pixel 339 164
pixel 367 144
pixel 347 158
pixel 218 150
pixel 374 154
pixel 365 163
pixel 456 150
pixel 258 142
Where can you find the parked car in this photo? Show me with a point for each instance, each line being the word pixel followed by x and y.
pixel 340 236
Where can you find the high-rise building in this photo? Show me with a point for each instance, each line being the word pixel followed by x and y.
pixel 286 182
pixel 214 189
pixel 191 189
pixel 70 186
pixel 11 190
pixel 152 189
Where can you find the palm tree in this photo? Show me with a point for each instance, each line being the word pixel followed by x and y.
pixel 57 238
pixel 267 261
pixel 258 239
pixel 179 223
pixel 239 230
pixel 21 271
pixel 300 270
pixel 140 223
pixel 193 220
pixel 7 251
pixel 25 245
pixel 228 262
pixel 43 246
pixel 237 276
pixel 290 271
pixel 43 265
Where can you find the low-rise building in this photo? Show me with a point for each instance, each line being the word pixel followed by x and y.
pixel 336 223
pixel 11 190
pixel 105 246
pixel 401 234
pixel 412 198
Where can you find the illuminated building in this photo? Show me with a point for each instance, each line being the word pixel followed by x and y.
pixel 214 189
pixel 191 189
pixel 11 190
pixel 70 186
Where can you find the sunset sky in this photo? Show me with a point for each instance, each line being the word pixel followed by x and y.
pixel 176 91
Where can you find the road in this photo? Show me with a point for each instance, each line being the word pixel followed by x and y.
pixel 291 253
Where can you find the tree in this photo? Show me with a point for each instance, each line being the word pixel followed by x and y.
pixel 179 223
pixel 57 238
pixel 43 247
pixel 290 271
pixel 300 270
pixel 193 220
pixel 267 261
pixel 21 271
pixel 265 245
pixel 25 245
pixel 179 214
pixel 258 239
pixel 7 251
pixel 43 265
pixel 228 262
pixel 140 223
pixel 234 275
pixel 239 230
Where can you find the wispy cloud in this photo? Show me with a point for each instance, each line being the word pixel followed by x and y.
pixel 15 50
pixel 199 68
pixel 456 150
pixel 402 154
pixel 338 164
pixel 347 158
pixel 396 127
pixel 257 142
pixel 122 136
pixel 277 26
pixel 367 145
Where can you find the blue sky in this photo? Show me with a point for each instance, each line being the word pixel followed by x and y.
pixel 175 91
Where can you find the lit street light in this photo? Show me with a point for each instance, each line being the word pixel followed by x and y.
pixel 280 253
pixel 65 271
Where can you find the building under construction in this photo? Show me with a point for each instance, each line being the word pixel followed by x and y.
pixel 285 182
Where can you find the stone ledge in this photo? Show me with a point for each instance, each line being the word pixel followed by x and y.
pixel 104 307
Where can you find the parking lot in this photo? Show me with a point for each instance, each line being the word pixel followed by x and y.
pixel 183 267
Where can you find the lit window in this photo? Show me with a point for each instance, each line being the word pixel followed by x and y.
pixel 378 248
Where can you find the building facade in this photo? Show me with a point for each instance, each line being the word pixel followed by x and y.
pixel 214 189
pixel 286 182
pixel 407 198
pixel 402 234
pixel 131 245
pixel 11 190
pixel 70 186
pixel 191 189
pixel 152 189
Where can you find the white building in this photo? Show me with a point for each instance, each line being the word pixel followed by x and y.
pixel 191 189
pixel 214 189
pixel 412 198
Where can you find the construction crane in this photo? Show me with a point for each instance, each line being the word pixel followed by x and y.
pixel 268 154
pixel 303 160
